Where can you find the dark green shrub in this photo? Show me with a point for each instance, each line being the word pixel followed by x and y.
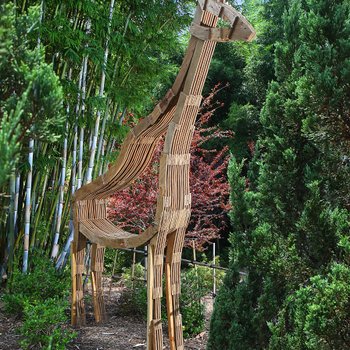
pixel 195 284
pixel 44 325
pixel 14 303
pixel 41 282
pixel 40 298
pixel 193 316
pixel 136 293
pixel 317 315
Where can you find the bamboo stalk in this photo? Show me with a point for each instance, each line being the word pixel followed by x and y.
pixel 101 92
pixel 55 246
pixel 80 157
pixel 101 165
pixel 38 214
pixel 28 207
pixel 40 151
pixel 53 178
pixel 11 233
pixel 39 179
pixel 74 159
pixel 16 200
pixel 50 218
pixel 101 138
pixel 110 143
pixel 81 134
pixel 116 65
pixel 62 259
pixel 75 140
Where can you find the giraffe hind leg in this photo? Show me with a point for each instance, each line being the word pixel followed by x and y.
pixel 77 261
pixel 97 260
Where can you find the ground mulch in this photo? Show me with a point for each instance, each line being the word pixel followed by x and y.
pixel 8 331
pixel 122 331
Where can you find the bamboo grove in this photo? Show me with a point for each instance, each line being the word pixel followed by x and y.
pixel 72 72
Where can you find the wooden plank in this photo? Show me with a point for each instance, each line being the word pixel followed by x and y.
pixel 96 282
pixel 74 285
pixel 169 299
pixel 150 277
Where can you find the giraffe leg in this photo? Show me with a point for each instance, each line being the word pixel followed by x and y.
pixel 97 260
pixel 169 297
pixel 74 284
pixel 150 303
pixel 78 254
pixel 156 334
pixel 173 286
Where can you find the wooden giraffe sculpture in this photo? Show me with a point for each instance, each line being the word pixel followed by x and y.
pixel 175 115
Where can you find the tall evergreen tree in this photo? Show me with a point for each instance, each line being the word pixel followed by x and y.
pixel 291 213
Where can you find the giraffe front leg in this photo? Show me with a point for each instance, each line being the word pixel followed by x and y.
pixel 155 287
pixel 150 301
pixel 157 294
pixel 169 298
pixel 173 288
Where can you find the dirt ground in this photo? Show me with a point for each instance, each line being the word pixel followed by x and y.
pixel 122 331
pixel 8 337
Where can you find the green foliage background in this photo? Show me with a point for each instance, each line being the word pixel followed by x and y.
pixel 288 105
pixel 41 299
pixel 290 195
pixel 53 57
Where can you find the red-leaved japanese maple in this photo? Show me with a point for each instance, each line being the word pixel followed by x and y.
pixel 134 208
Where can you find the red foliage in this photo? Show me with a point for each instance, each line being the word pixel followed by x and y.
pixel 134 208
pixel 251 146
